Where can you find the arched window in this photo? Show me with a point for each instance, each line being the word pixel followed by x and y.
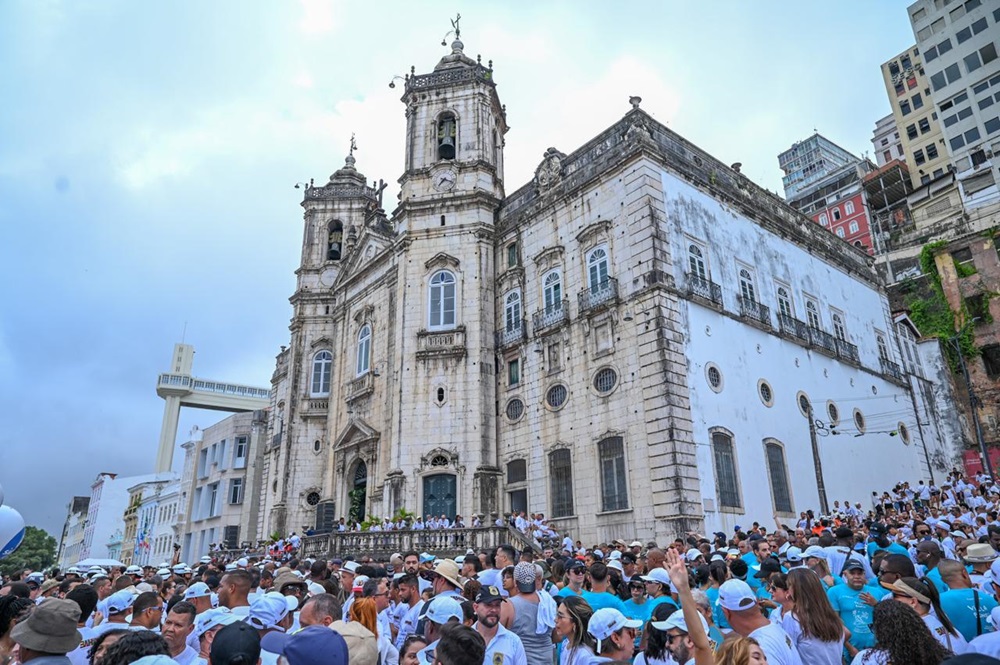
pixel 883 350
pixel 561 482
pixel 746 286
pixel 614 482
pixel 446 136
pixel 777 471
pixel 812 314
pixel 836 214
pixel 442 300
pixel 696 262
pixel 853 227
pixel 512 311
pixel 725 470
pixel 364 349
pixel 322 365
pixel 552 291
pixel 840 232
pixel 597 269
pixel 823 219
pixel 784 302
pixel 839 331
pixel 849 208
pixel 334 240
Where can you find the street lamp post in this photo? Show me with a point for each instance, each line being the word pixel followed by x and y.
pixel 972 396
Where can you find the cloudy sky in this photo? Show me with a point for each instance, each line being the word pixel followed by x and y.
pixel 148 153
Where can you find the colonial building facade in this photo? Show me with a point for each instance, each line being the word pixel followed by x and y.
pixel 639 342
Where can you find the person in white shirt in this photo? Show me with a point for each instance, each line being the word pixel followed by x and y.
pixel 923 597
pixel 177 627
pixel 739 606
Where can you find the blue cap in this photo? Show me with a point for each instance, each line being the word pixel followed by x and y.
pixel 315 645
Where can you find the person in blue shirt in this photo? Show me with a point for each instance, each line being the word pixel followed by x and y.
pixel 854 602
pixel 880 541
pixel 929 555
pixel 600 595
pixel 638 606
pixel 962 602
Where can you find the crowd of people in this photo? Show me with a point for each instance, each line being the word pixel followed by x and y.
pixel 913 578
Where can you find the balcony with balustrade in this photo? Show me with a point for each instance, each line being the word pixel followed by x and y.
pixel 314 407
pixel 359 387
pixel 441 343
pixel 848 352
pixel 891 370
pixel 511 335
pixel 822 341
pixel 703 290
pixel 755 313
pixel 791 327
pixel 550 317
pixel 442 542
pixel 599 296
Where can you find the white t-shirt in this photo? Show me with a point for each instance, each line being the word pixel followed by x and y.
pixel 871 657
pixel 954 643
pixel 641 659
pixel 776 645
pixel 581 655
pixel 811 650
pixel 987 644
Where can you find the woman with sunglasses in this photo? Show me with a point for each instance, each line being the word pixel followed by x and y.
pixel 780 603
pixel 637 606
pixel 657 650
pixel 577 645
pixel 922 595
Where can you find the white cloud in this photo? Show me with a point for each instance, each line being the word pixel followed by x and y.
pixel 319 17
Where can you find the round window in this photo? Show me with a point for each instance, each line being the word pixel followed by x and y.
pixel 859 421
pixel 804 405
pixel 605 380
pixel 833 412
pixel 556 396
pixel 312 498
pixel 515 409
pixel 765 392
pixel 714 377
pixel 904 433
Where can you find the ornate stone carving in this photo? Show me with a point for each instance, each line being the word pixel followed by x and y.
pixel 549 172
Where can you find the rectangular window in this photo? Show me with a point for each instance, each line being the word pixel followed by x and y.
pixel 991 360
pixel 972 62
pixel 561 479
pixel 992 125
pixel 904 107
pixel 923 33
pixel 963 35
pixel 725 471
pixel 240 453
pixel 614 481
pixel 965 113
pixel 938 25
pixel 894 68
pixel 203 463
pixel 213 499
pixel 235 491
pixel 918 156
pixel 978 308
pixel 961 97
pixel 911 132
pixel 918 14
pixel 944 47
pixel 778 473
pixel 918 101
pixel 950 120
pixel 956 143
pixel 925 125
pixel 932 151
pixel 905 62
pixel 938 82
pixel 900 89
pixel 972 4
pixel 985 103
pixel 996 15
pixel 972 135
pixel 952 73
pixel 979 26
pixel 931 54
pixel 976 89
pixel 957 13
pixel 988 53
pixel 514 372
pixel 512 255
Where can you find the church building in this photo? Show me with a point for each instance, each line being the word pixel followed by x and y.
pixel 639 342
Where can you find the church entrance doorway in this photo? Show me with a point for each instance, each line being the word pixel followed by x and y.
pixel 439 495
pixel 359 493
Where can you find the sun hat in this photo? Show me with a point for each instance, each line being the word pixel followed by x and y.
pixel 607 621
pixel 980 553
pixel 48 585
pixel 676 620
pixel 237 642
pixel 209 619
pixel 50 628
pixel 736 596
pixel 447 569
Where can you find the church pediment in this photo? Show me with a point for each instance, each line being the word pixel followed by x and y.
pixel 356 432
pixel 321 342
pixel 369 248
pixel 592 232
pixel 442 260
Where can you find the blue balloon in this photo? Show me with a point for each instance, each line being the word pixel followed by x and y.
pixel 11 530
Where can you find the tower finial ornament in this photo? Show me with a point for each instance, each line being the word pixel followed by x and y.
pixel 455 30
pixel 354 145
pixel 454 25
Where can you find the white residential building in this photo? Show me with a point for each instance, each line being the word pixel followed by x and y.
pixel 104 528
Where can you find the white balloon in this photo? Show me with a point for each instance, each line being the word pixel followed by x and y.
pixel 11 530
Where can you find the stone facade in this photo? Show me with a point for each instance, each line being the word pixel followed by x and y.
pixel 546 350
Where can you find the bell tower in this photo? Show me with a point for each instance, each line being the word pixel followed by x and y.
pixel 455 127
pixel 443 456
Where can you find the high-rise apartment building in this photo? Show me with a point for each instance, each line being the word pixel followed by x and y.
pixel 916 120
pixel 823 181
pixel 959 42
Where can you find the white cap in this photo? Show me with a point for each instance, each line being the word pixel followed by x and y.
pixel 351 567
pixel 657 575
pixel 205 559
pixel 692 555
pixel 242 562
pixel 163 572
pixel 793 554
pixel 607 621
pixel 441 609
pixel 120 601
pixel 230 567
pixel 736 595
pixel 616 564
pixel 316 589
pixel 197 590
pixel 209 619
pixel 814 551
pixel 133 570
pixel 676 620
pixel 615 554
pixel 994 619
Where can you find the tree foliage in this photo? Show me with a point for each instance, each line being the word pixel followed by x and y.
pixel 37 551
